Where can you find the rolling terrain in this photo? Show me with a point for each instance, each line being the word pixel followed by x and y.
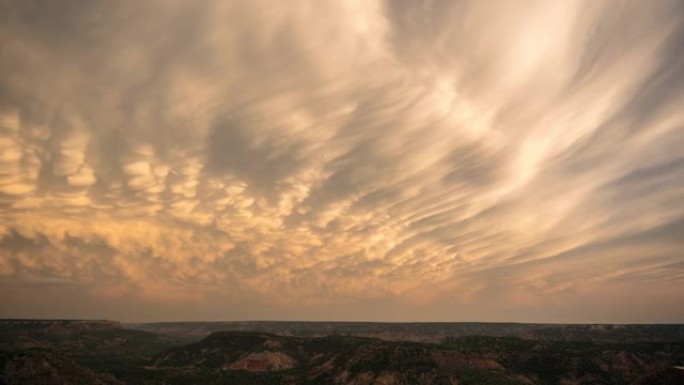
pixel 428 331
pixel 103 352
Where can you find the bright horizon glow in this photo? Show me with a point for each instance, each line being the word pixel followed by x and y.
pixel 342 160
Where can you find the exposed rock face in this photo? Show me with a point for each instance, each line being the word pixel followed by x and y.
pixel 264 361
pixel 388 378
pixel 471 360
pixel 252 358
pixel 272 344
pixel 331 360
pixel 445 358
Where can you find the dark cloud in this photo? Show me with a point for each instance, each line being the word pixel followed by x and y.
pixel 262 163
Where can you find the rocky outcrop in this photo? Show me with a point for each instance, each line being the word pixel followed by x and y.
pixel 254 358
pixel 264 361
pixel 453 359
pixel 334 360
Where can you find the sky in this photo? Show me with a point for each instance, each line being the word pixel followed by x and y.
pixel 397 160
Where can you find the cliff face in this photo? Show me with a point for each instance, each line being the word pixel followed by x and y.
pixel 79 352
pixel 263 362
pixel 329 360
pixel 477 360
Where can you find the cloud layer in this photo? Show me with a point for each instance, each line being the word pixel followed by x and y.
pixel 396 160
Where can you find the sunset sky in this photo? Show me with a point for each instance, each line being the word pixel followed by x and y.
pixel 397 160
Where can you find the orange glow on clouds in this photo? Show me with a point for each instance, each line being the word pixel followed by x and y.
pixel 396 160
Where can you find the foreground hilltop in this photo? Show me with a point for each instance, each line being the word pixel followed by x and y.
pixel 46 367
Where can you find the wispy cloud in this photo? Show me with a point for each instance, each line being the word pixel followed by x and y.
pixel 356 159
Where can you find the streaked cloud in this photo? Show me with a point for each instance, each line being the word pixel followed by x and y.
pixel 397 160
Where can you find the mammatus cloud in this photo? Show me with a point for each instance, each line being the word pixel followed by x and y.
pixel 397 160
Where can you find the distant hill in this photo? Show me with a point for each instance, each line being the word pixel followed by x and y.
pixel 79 337
pixel 429 332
